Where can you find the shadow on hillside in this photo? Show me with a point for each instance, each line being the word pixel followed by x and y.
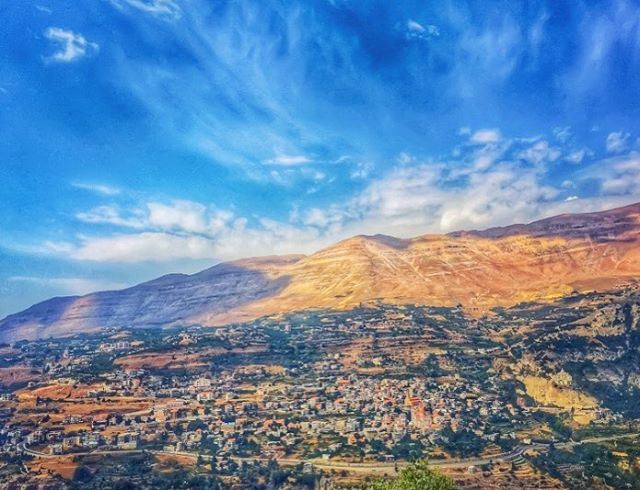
pixel 168 300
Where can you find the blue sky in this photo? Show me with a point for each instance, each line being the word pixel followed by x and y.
pixel 139 137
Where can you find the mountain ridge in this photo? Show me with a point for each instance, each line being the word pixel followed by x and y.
pixel 500 266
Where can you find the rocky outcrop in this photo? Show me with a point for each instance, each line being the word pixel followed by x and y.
pixel 548 393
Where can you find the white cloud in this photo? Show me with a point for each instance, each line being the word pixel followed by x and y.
pixel 424 198
pixel 234 240
pixel 487 186
pixel 175 216
pixel 144 247
pixel 567 184
pixel 71 46
pixel 500 196
pixel 113 216
pixel 414 26
pixel 484 156
pixel 183 229
pixel 620 175
pixel 323 219
pixel 159 8
pixel 540 152
pixel 318 176
pixel 577 156
pixel 404 158
pixel 562 134
pixel 288 160
pixel 486 136
pixel 497 197
pixel 105 190
pixel 179 215
pixel 617 142
pixel 415 30
pixel 71 285
pixel 430 198
pixel 361 171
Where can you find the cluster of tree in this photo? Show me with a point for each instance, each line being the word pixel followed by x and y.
pixel 258 476
pixel 463 443
pixel 418 476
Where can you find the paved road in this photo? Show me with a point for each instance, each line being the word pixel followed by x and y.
pixel 339 465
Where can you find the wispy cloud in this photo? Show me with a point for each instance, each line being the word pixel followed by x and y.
pixel 562 134
pixel 617 142
pixel 618 175
pixel 71 46
pixel 578 156
pixel 159 8
pixel 415 30
pixel 144 247
pixel 231 242
pixel 540 152
pixel 178 230
pixel 289 160
pixel 486 186
pixel 44 9
pixel 103 189
pixel 486 136
pixel 111 215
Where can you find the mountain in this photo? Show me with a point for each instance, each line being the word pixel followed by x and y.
pixel 502 266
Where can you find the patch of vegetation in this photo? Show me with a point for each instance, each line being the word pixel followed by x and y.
pixel 587 466
pixel 418 476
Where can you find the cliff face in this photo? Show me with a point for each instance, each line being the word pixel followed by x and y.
pixel 497 267
pixel 547 393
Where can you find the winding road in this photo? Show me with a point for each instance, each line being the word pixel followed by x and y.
pixel 341 465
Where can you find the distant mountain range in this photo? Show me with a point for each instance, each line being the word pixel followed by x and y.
pixel 503 266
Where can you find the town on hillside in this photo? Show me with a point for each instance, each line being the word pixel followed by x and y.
pixel 520 397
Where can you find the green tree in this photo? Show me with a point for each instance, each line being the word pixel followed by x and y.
pixel 418 476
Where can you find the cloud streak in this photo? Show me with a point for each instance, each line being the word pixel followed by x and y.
pixel 167 9
pixel 289 160
pixel 105 190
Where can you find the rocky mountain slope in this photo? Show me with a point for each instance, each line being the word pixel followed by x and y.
pixel 539 261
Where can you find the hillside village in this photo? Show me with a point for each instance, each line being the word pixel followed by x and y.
pixel 333 395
